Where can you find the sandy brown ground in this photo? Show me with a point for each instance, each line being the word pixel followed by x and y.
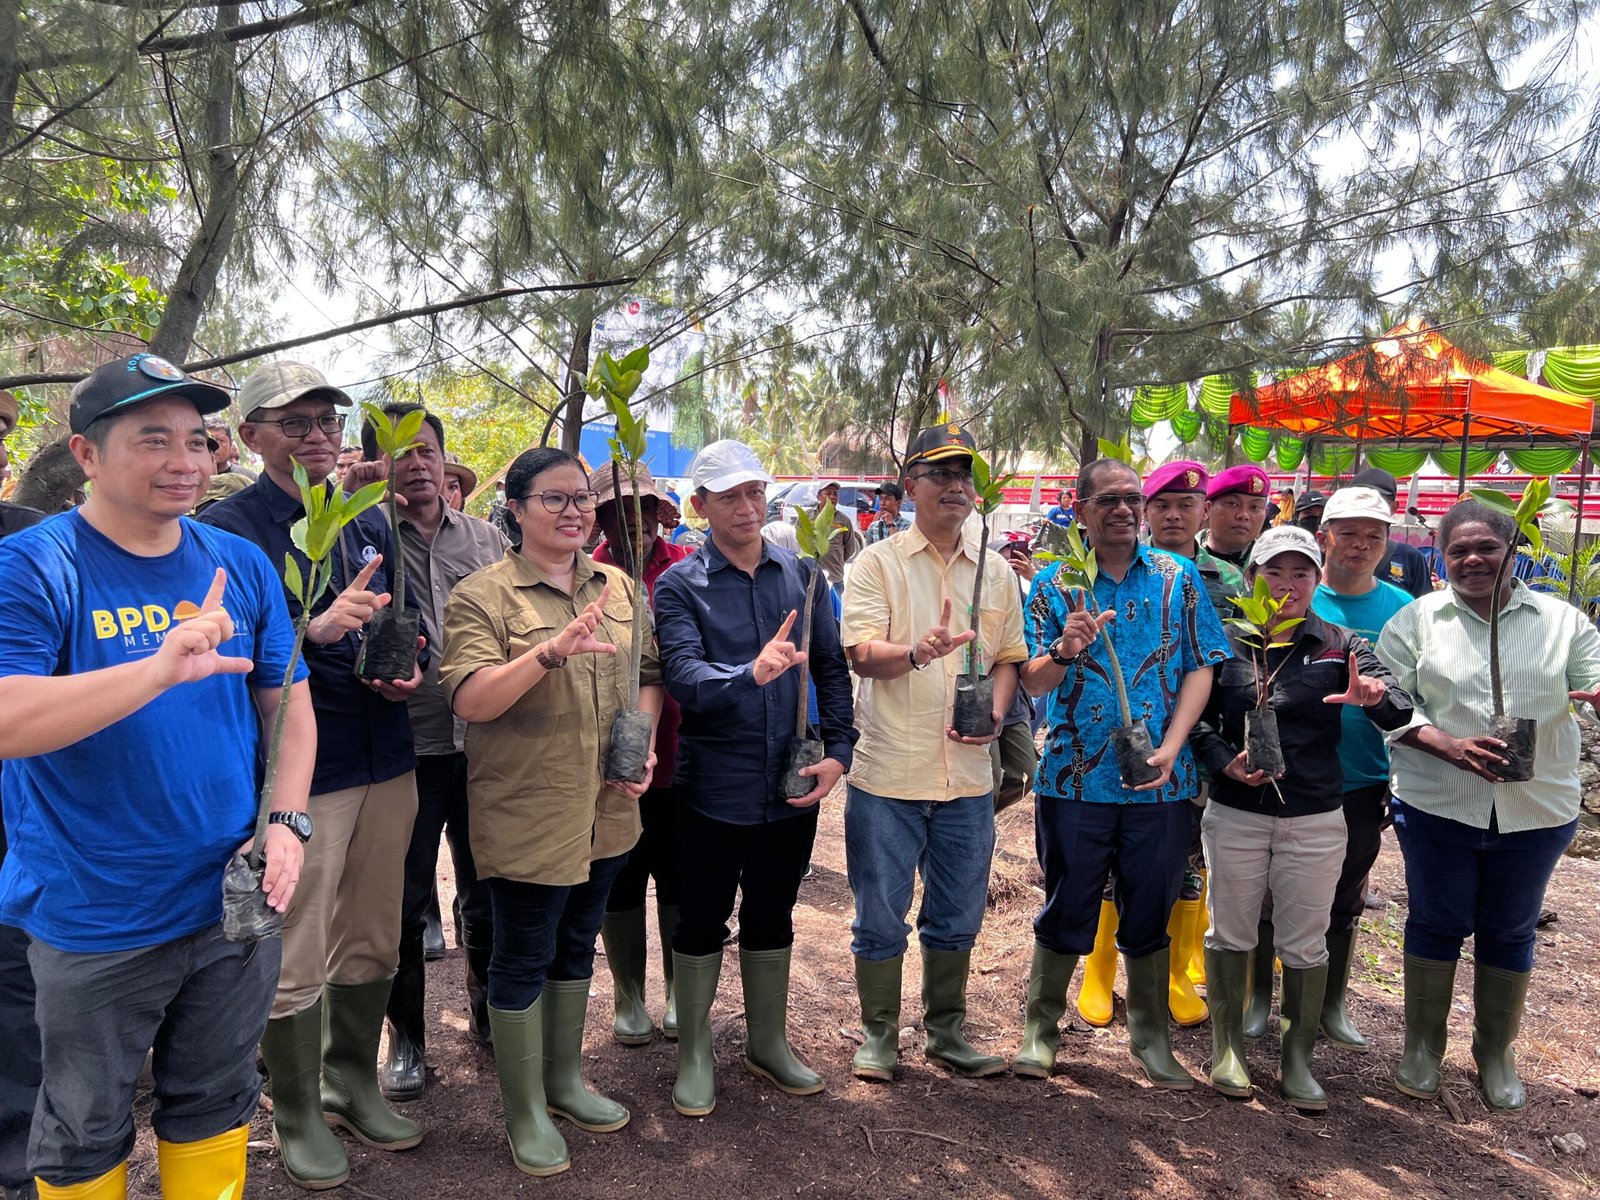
pixel 1093 1130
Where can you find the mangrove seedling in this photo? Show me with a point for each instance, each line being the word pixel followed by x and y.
pixel 389 644
pixel 1131 741
pixel 246 916
pixel 973 714
pixel 614 383
pixel 1262 627
pixel 1520 734
pixel 815 535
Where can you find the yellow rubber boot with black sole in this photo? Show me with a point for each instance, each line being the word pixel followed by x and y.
pixel 1095 998
pixel 113 1185
pixel 204 1170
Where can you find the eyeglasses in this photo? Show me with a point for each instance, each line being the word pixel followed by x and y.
pixel 1109 502
pixel 555 502
pixel 300 427
pixel 945 476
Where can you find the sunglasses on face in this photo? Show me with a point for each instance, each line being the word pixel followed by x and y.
pixel 1109 502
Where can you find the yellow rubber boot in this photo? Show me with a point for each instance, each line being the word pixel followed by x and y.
pixel 212 1169
pixel 1100 970
pixel 1197 937
pixel 1186 1007
pixel 113 1185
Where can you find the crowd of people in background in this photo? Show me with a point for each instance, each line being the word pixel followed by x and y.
pixel 148 653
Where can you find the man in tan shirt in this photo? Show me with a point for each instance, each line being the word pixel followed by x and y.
pixel 920 796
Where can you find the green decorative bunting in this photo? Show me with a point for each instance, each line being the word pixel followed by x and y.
pixel 1478 461
pixel 1256 443
pixel 1399 463
pixel 1152 404
pixel 1543 460
pixel 1186 425
pixel 1574 369
pixel 1216 393
pixel 1290 453
pixel 1514 361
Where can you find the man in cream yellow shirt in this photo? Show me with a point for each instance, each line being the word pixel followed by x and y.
pixel 920 796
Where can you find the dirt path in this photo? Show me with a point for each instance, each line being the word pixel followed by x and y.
pixel 1093 1130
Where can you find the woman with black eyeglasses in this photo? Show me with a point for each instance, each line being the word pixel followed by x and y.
pixel 536 653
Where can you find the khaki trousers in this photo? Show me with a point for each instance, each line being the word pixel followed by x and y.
pixel 344 921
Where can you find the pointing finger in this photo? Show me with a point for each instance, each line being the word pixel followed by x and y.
pixel 783 630
pixel 944 618
pixel 219 583
pixel 364 576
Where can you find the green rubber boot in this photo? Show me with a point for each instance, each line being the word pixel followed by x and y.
pixel 667 924
pixel 1299 1013
pixel 536 1145
pixel 1227 980
pixel 1048 981
pixel 1430 986
pixel 1498 998
pixel 1258 1006
pixel 1336 1021
pixel 352 1021
pixel 765 975
pixel 1149 1039
pixel 878 985
pixel 292 1049
pixel 566 1005
pixel 944 1008
pixel 695 1092
pixel 622 934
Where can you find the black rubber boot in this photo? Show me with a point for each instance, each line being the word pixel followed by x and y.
pixel 433 929
pixel 403 1073
pixel 479 945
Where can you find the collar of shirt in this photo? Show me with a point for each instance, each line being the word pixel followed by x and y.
pixel 526 573
pixel 971 535
pixel 280 505
pixel 716 560
pixel 1521 596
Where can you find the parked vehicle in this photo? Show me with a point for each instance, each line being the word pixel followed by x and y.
pixel 854 496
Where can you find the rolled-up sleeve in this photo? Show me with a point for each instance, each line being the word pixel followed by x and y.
pixel 474 638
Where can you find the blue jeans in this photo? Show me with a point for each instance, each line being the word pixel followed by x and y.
pixel 543 931
pixel 1464 882
pixel 886 842
pixel 1145 846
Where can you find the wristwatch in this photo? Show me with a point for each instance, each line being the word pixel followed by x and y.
pixel 299 823
pixel 1055 656
pixel 548 658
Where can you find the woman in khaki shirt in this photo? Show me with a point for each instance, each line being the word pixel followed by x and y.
pixel 536 661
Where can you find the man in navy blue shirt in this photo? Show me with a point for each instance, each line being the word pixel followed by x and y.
pixel 341 943
pixel 724 621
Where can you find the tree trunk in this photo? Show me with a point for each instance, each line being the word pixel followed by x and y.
pixel 10 69
pixel 577 384
pixel 197 276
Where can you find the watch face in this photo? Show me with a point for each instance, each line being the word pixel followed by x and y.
pixel 299 822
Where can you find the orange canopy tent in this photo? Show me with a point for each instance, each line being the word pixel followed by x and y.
pixel 1413 385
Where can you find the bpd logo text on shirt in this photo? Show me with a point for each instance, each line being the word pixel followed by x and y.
pixel 141 627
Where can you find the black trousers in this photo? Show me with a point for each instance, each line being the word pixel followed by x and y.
pixel 19 1058
pixel 655 856
pixel 1365 812
pixel 718 860
pixel 441 809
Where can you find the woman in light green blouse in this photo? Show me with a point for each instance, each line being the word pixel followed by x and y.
pixel 1479 850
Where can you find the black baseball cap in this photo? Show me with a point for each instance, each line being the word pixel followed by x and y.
pixel 119 385
pixel 1310 499
pixel 1378 478
pixel 939 442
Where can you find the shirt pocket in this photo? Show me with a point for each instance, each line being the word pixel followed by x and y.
pixel 525 630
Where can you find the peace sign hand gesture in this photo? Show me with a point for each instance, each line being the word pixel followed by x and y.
pixel 1363 691
pixel 937 642
pixel 778 655
pixel 579 636
pixel 189 651
pixel 1082 628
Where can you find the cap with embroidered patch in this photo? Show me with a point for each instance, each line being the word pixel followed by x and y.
pixel 1284 539
pixel 128 381
pixel 1182 476
pixel 939 442
pixel 1245 480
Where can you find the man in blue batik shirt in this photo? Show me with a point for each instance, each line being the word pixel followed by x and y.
pixel 1167 639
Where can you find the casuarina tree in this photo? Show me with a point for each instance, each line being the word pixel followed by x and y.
pixel 246 916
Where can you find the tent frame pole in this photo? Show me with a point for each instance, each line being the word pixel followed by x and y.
pixel 1461 472
pixel 1577 520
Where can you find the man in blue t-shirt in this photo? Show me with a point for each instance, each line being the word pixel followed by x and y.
pixel 1354 540
pixel 141 658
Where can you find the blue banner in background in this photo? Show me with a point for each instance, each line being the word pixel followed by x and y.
pixel 665 458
